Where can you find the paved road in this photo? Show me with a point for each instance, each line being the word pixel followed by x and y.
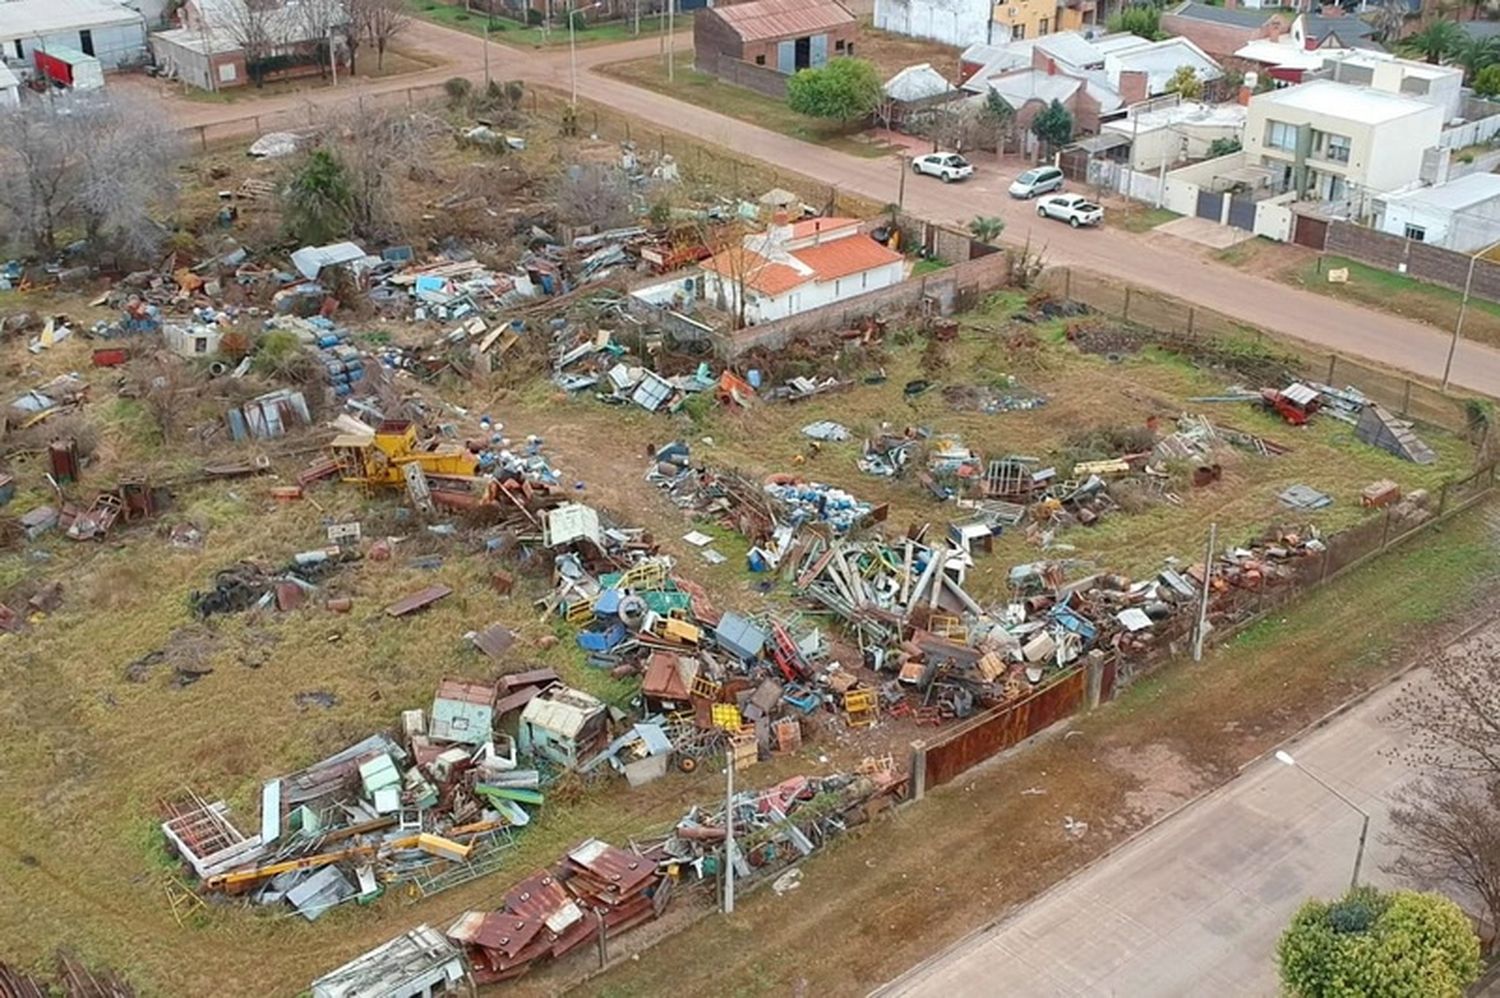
pixel 1154 261
pixel 1196 905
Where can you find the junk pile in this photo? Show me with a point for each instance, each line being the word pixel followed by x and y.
pixel 1006 395
pixel 437 808
pixel 247 586
pixel 1373 424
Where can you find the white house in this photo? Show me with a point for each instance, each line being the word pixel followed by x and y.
pixel 1158 61
pixel 107 30
pixel 1463 215
pixel 792 268
pixel 10 88
pixel 1331 141
pixel 953 22
pixel 1168 135
pixel 1440 85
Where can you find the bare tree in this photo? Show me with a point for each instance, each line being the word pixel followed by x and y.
pixel 250 25
pixel 312 20
pixel 374 146
pixel 1446 824
pixel 595 194
pixel 356 26
pixel 96 162
pixel 385 20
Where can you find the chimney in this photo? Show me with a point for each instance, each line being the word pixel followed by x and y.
pixel 1134 86
pixel 1247 88
pixel 1042 61
pixel 780 232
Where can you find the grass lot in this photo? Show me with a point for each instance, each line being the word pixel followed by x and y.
pixel 999 830
pixel 1135 218
pixel 928 265
pixel 509 32
pixel 708 92
pixel 1430 303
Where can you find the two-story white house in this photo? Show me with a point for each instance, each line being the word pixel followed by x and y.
pixel 795 267
pixel 1330 141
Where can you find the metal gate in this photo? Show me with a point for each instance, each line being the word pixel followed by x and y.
pixel 1210 205
pixel 1310 232
pixel 1242 213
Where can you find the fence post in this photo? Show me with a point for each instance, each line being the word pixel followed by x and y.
pixel 1126 310
pixel 409 100
pixel 1333 359
pixel 1192 315
pixel 918 768
pixel 1327 557
pixel 1442 499
pixel 1095 679
pixel 1067 282
pixel 1406 398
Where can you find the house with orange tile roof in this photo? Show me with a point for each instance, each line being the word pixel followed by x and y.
pixel 794 267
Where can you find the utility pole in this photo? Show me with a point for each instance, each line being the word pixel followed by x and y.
pixel 901 183
pixel 487 51
pixel 671 42
pixel 333 59
pixel 729 830
pixel 1208 578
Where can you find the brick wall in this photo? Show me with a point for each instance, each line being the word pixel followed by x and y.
pixel 1424 262
pixel 955 286
pixel 742 74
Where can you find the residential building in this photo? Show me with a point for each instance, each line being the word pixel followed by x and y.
pixel 1087 96
pixel 1462 215
pixel 1018 20
pixel 781 35
pixel 953 22
pixel 1440 85
pixel 1158 61
pixel 1165 136
pixel 1333 141
pixel 795 267
pixel 1223 31
pixel 10 88
pixel 223 44
pixel 106 30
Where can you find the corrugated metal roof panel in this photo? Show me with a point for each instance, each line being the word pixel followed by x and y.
pixel 764 19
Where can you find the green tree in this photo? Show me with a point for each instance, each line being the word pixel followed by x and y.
pixel 1401 944
pixel 845 89
pixel 1000 116
pixel 319 199
pixel 1474 55
pixel 1433 43
pixel 1487 81
pixel 1144 20
pixel 1223 147
pixel 986 228
pixel 1053 125
pixel 1186 84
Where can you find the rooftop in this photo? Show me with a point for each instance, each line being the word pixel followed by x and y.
pixel 1239 16
pixel 1362 104
pixel 1017 89
pixel 842 257
pixel 755 272
pixel 916 83
pixel 1160 60
pixel 1456 195
pixel 808 227
pixel 1181 115
pixel 1410 68
pixel 1285 54
pixel 759 20
pixel 1070 47
pixel 24 18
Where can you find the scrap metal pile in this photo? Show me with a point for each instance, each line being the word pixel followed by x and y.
pixel 246 585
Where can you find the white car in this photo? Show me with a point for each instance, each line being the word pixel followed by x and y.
pixel 1075 209
pixel 949 166
pixel 1037 180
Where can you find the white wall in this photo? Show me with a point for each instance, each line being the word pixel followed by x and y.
pixel 1396 147
pixel 815 294
pixel 114 46
pixel 1273 218
pixel 1478 226
pixel 955 22
pixel 10 96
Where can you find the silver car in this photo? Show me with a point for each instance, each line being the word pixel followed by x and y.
pixel 1037 180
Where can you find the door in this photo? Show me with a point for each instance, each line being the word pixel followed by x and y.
pixel 1242 213
pixel 819 55
pixel 1209 205
pixel 803 48
pixel 86 41
pixel 786 61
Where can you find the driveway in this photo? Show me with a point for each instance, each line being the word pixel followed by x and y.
pixel 1150 261
pixel 1196 905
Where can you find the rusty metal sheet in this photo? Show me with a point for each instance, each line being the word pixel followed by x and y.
pixel 999 729
pixel 617 871
pixel 418 600
pixel 495 640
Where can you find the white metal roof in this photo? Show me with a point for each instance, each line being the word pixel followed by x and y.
pixel 1456 195
pixel 30 18
pixel 563 712
pixel 1284 54
pixel 1161 60
pixel 1183 115
pixel 1070 47
pixel 1343 100
pixel 1016 89
pixel 916 83
pixel 1409 67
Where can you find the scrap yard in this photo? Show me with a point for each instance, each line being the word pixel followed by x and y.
pixel 495 590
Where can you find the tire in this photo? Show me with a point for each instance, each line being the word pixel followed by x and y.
pixel 917 169
pixel 947 178
pixel 1073 221
pixel 1041 211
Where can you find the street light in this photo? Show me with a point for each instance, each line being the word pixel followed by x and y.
pixel 1285 758
pixel 1463 306
pixel 573 47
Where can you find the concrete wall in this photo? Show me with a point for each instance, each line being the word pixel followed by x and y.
pixel 1476 227
pixel 741 74
pixel 954 22
pixel 1427 263
pixel 1180 196
pixel 1206 173
pixel 1273 218
pixel 115 45
pixel 1470 132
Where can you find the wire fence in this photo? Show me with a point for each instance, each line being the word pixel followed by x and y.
pixel 1183 324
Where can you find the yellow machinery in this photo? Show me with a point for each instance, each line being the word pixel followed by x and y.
pixel 379 461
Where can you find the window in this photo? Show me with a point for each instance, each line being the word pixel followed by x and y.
pixel 86 41
pixel 20 52
pixel 1338 148
pixel 200 344
pixel 1280 135
pixel 1043 26
pixel 838 45
pixel 226 72
pixel 760 60
pixel 1416 233
pixel 1017 32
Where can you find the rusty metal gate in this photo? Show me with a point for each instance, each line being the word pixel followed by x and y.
pixel 1310 232
pixel 998 729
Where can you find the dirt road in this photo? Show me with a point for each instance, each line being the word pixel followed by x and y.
pixel 1155 261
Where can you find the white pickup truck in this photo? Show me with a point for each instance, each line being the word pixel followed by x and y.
pixel 1075 209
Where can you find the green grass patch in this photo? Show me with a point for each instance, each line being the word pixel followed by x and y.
pixel 1137 219
pixel 929 265
pixel 512 32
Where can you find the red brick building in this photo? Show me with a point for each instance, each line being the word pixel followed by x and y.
pixel 779 35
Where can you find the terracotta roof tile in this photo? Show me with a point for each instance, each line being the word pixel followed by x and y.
pixel 811 226
pixel 758 274
pixel 848 255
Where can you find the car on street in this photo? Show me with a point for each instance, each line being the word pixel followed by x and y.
pixel 1075 209
pixel 949 166
pixel 1038 180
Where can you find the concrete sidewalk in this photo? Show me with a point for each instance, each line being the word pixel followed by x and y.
pixel 1195 906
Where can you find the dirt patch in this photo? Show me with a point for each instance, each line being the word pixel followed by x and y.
pixel 1166 779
